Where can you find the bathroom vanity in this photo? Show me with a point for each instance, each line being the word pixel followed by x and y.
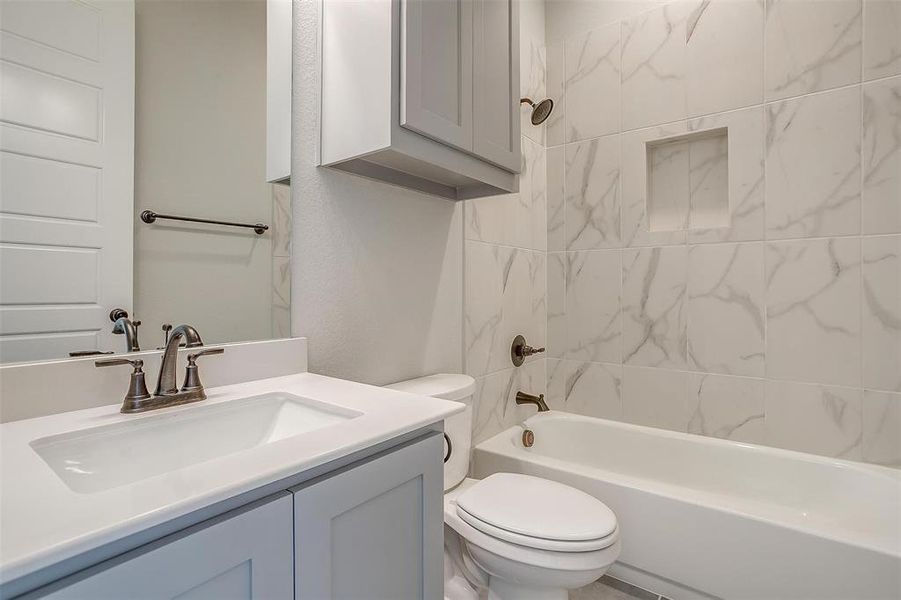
pixel 298 486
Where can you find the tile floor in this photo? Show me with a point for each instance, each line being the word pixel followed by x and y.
pixel 608 588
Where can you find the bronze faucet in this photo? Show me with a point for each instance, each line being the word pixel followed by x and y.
pixel 524 398
pixel 137 399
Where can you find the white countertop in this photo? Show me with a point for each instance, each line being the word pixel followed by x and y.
pixel 43 521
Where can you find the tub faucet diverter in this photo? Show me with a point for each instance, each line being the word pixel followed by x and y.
pixel 524 398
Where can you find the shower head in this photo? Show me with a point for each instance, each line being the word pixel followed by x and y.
pixel 540 111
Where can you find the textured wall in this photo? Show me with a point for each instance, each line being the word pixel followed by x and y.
pixel 376 270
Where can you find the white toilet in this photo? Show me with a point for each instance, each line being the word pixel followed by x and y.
pixel 518 537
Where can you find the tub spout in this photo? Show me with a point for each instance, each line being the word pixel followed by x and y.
pixel 524 398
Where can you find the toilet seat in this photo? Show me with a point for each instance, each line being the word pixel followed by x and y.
pixel 536 542
pixel 537 513
pixel 526 550
pixel 535 558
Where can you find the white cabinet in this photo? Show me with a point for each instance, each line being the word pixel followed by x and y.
pixel 495 87
pixel 436 74
pixel 373 531
pixel 279 32
pixel 243 554
pixel 422 93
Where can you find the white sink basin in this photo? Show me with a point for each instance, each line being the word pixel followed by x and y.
pixel 104 457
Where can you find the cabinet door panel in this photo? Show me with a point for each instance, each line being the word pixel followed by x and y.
pixel 244 554
pixel 375 531
pixel 496 82
pixel 436 70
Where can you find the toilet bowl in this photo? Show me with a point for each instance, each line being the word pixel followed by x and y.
pixel 513 536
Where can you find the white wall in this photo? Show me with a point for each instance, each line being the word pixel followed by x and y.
pixel 200 151
pixel 377 270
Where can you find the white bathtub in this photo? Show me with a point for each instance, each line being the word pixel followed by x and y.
pixel 702 516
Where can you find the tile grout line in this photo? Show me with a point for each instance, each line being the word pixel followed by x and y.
pixel 747 107
pixel 766 271
pixel 861 212
pixel 761 240
pixel 860 138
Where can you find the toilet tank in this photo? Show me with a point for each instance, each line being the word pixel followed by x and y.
pixel 458 427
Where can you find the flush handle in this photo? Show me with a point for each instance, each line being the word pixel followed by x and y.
pixel 447 453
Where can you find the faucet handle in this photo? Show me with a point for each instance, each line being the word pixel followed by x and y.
pixel 137 363
pixel 137 387
pixel 194 356
pixel 519 350
pixel 192 375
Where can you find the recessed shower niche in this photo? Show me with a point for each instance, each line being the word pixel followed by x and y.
pixel 688 181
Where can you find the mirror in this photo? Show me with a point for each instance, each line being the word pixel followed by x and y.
pixel 110 108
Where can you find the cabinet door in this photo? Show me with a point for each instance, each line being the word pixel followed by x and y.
pixel 244 554
pixel 496 82
pixel 375 531
pixel 436 70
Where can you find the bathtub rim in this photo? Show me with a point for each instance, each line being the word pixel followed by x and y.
pixel 505 444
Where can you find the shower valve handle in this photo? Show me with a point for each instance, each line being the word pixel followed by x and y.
pixel 520 350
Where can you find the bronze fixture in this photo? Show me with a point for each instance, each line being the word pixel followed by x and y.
pixel 138 399
pixel 540 110
pixel 165 383
pixel 123 325
pixel 137 393
pixel 192 375
pixel 520 350
pixel 148 216
pixel 528 438
pixel 524 398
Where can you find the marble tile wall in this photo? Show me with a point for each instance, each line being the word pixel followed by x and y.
pixel 779 324
pixel 281 261
pixel 505 272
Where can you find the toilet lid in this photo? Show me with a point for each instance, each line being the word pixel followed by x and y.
pixel 535 508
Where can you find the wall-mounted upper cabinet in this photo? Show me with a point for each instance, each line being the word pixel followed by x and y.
pixel 495 82
pixel 423 93
pixel 436 70
pixel 279 32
